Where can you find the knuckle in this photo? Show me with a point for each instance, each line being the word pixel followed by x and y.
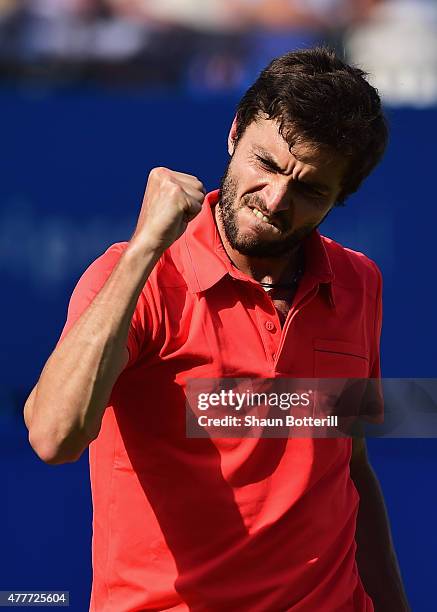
pixel 173 188
pixel 158 172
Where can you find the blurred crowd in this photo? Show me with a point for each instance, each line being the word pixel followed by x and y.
pixel 216 45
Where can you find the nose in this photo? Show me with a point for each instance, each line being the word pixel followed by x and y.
pixel 276 197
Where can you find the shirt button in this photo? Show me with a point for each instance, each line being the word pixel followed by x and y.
pixel 270 326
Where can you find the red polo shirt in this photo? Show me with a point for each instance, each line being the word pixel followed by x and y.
pixel 256 525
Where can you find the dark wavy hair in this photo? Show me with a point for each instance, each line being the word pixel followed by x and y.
pixel 318 99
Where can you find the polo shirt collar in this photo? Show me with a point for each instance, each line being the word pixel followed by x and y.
pixel 203 265
pixel 318 265
pixel 206 262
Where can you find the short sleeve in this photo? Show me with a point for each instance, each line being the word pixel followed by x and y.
pixel 89 285
pixel 375 364
pixel 373 406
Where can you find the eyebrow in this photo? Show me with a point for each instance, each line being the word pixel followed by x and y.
pixel 273 163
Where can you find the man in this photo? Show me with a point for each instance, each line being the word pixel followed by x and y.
pixel 237 284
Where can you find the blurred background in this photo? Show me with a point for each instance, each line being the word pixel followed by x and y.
pixel 93 94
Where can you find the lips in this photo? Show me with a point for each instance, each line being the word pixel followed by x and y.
pixel 257 213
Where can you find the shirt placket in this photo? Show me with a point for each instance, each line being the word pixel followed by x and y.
pixel 272 335
pixel 269 326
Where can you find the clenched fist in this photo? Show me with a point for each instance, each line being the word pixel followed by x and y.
pixel 171 200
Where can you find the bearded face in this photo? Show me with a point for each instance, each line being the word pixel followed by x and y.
pixel 273 196
pixel 269 235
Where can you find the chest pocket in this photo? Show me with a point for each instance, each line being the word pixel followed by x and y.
pixel 338 359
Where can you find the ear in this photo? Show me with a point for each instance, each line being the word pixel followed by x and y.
pixel 232 136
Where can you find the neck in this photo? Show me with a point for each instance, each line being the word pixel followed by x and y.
pixel 262 269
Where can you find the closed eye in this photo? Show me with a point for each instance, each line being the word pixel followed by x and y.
pixel 307 189
pixel 311 191
pixel 267 164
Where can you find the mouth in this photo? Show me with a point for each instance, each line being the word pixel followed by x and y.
pixel 262 217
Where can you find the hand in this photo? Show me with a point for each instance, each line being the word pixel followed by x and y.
pixel 171 200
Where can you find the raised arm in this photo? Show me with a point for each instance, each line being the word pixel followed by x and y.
pixel 64 411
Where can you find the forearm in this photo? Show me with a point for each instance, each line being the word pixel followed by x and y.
pixel 376 559
pixel 64 413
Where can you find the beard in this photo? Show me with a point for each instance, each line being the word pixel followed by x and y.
pixel 253 245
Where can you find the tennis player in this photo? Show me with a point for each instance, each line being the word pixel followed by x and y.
pixel 238 283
